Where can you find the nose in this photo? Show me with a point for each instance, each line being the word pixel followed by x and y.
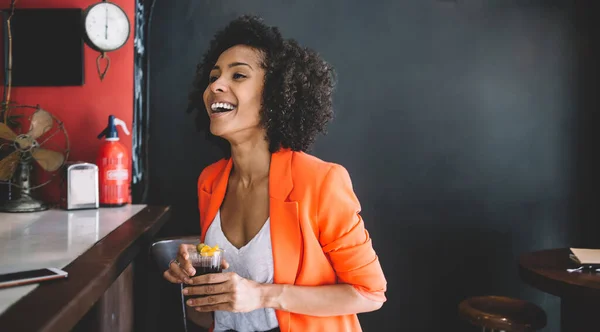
pixel 218 86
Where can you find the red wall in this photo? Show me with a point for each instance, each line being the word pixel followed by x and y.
pixel 85 109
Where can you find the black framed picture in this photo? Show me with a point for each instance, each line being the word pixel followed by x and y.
pixel 47 47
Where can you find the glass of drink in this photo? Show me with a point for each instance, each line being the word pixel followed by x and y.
pixel 206 260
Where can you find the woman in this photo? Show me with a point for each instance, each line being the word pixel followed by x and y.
pixel 297 255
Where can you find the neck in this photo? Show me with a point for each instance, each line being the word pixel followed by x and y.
pixel 251 161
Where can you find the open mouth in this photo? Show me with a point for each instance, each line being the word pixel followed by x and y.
pixel 222 107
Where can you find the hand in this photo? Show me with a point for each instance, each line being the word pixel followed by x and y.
pixel 225 291
pixel 178 273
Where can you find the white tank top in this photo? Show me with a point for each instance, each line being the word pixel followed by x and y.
pixel 253 261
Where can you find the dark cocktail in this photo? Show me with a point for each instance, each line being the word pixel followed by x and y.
pixel 206 259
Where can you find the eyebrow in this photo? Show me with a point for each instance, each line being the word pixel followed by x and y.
pixel 234 64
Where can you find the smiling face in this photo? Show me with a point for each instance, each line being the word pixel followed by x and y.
pixel 233 97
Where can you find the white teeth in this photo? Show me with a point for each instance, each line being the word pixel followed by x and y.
pixel 228 106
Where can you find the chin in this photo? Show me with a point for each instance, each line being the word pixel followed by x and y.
pixel 217 132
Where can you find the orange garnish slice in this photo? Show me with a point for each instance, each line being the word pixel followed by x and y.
pixel 206 250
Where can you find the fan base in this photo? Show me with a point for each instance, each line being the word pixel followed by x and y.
pixel 23 204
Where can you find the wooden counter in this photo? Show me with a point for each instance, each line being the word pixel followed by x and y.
pixel 105 253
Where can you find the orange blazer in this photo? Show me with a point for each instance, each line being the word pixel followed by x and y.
pixel 318 236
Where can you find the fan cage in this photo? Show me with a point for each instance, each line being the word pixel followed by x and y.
pixel 43 140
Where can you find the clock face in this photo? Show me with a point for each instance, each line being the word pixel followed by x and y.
pixel 107 26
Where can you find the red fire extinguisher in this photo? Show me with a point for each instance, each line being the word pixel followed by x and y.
pixel 113 166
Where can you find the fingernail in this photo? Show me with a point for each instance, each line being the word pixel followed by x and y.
pixel 185 291
pixel 189 302
pixel 191 272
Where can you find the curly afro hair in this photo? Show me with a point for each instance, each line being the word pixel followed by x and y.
pixel 297 94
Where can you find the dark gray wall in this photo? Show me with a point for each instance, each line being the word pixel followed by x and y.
pixel 467 127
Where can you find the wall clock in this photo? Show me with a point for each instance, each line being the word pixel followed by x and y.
pixel 106 28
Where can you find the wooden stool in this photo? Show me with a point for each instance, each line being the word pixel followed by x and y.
pixel 498 313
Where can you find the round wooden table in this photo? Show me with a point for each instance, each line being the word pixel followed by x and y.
pixel 546 270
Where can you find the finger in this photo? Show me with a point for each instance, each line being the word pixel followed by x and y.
pixel 209 289
pixel 208 300
pixel 224 264
pixel 171 278
pixel 184 257
pixel 183 250
pixel 177 272
pixel 214 307
pixel 186 266
pixel 167 275
pixel 213 278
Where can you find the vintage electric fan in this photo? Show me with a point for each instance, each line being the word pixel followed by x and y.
pixel 26 141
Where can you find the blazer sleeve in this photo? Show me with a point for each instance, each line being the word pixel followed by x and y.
pixel 345 240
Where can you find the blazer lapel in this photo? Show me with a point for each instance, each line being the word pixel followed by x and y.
pixel 211 202
pixel 286 236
